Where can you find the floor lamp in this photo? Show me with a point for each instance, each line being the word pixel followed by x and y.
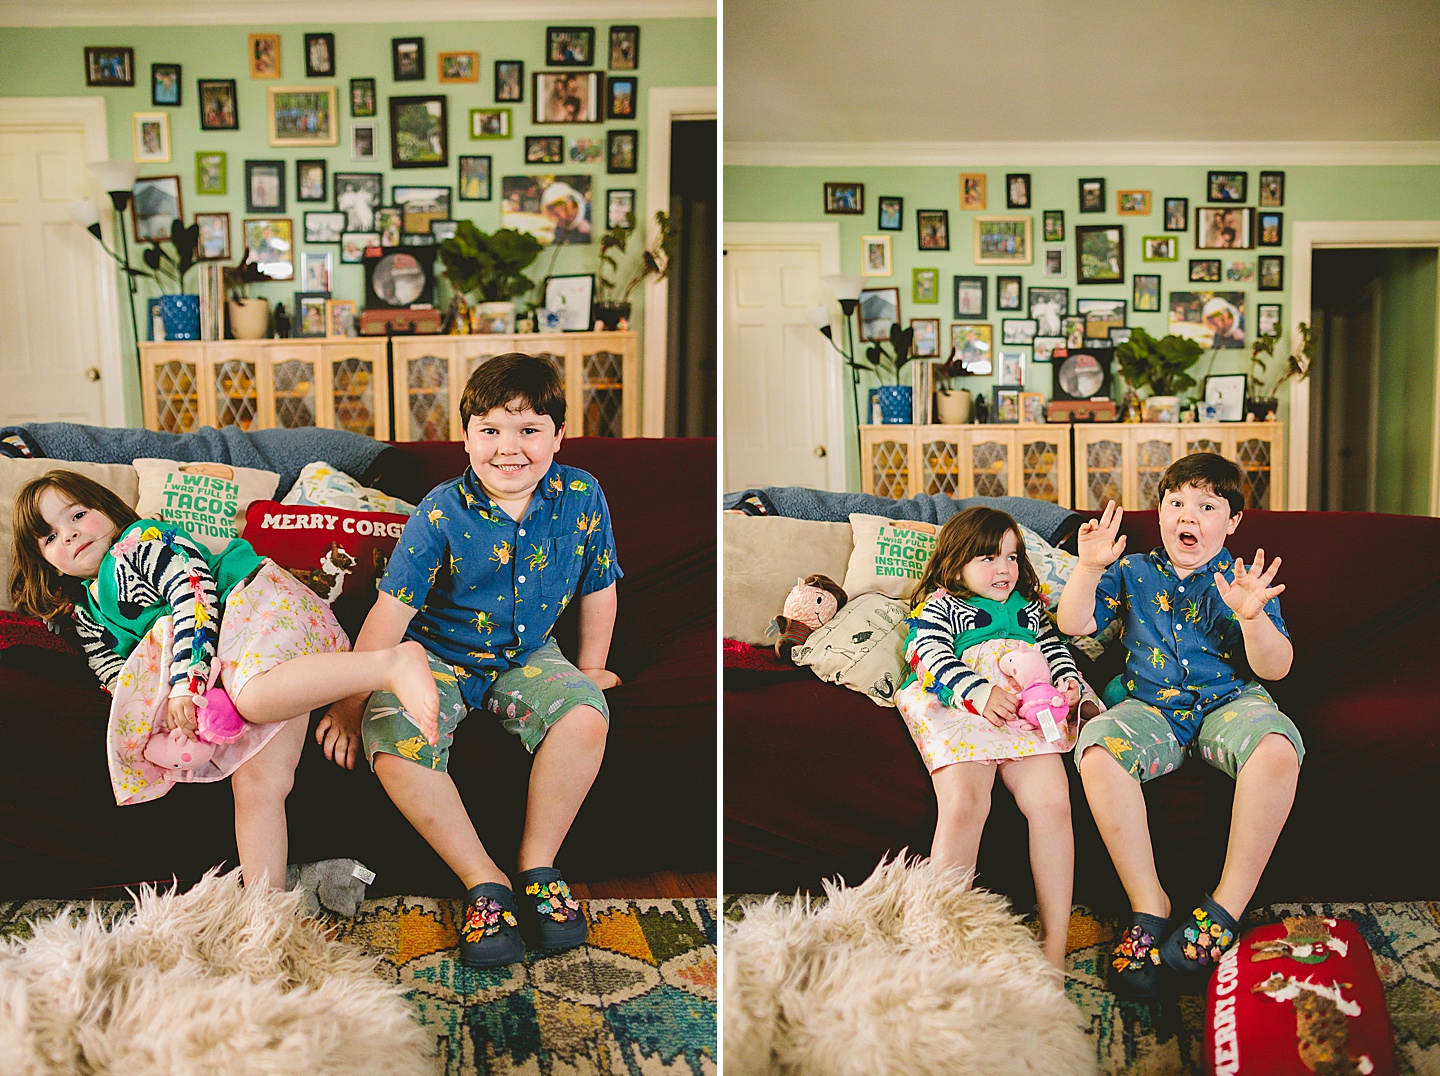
pixel 117 180
pixel 846 290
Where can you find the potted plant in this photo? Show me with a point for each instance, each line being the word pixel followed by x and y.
pixel 896 401
pixel 1160 366
pixel 249 318
pixel 952 404
pixel 1297 367
pixel 491 267
pixel 179 312
pixel 612 297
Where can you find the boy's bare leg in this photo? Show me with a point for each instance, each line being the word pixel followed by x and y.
pixel 260 787
pixel 431 802
pixel 1042 793
pixel 565 766
pixel 962 796
pixel 1264 793
pixel 1118 805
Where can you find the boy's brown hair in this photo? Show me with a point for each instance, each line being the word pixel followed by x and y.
pixel 1206 470
pixel 515 381
pixel 35 587
pixel 975 532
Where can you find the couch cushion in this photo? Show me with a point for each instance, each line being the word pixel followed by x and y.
pixel 764 557
pixel 321 484
pixel 862 648
pixel 207 499
pixel 889 555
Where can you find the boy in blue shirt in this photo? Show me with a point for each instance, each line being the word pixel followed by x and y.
pixel 1199 628
pixel 483 570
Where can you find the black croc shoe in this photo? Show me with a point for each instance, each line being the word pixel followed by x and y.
pixel 490 935
pixel 551 916
pixel 1134 970
pixel 1195 946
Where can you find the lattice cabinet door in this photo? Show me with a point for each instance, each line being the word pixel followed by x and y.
pixel 610 387
pixel 290 380
pixel 1255 448
pixel 1101 454
pixel 1044 471
pixel 232 380
pixel 427 403
pixel 1201 437
pixel 1154 447
pixel 357 394
pixel 887 456
pixel 990 463
pixel 171 380
pixel 940 459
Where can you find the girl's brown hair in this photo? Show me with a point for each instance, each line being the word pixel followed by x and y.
pixel 975 532
pixel 35 587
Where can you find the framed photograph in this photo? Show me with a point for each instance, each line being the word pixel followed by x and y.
pixel 353 246
pixel 572 298
pixel 892 214
pixel 310 317
pixel 972 190
pixel 1226 186
pixel 211 176
pixel 544 149
pixel 925 285
pixel 420 207
pixel 974 346
pixel 362 141
pixel 316 269
pixel 1120 336
pixel 299 116
pixel 1205 270
pixel 1272 273
pixel 109 66
pixel 1101 315
pixel 1054 225
pixel 1054 261
pixel 152 137
pixel 927 337
pixel 156 205
pixel 1018 331
pixel 399 279
pixel 1164 410
pixel 214 243
pixel 1003 241
pixel 1012 368
pixel 1049 306
pixel 1081 374
pixel 933 229
pixel 1205 411
pixel 1271 229
pixel 1075 331
pixel 264 55
pixel 619 207
pixel 340 318
pixel 407 59
pixel 388 222
pixel 624 48
pixel 1092 195
pixel 1032 408
pixel 552 208
pixel 1267 319
pixel 1017 190
pixel 218 110
pixel 324 226
pixel 362 97
pixel 319 55
pixel 970 296
pixel 1046 346
pixel 357 195
pixel 489 123
pixel 1007 293
pixel 165 85
pixel 264 186
pixel 878 309
pixel 875 255
pixel 585 150
pixel 1159 248
pixel 271 243
pixel 458 66
pixel 1177 214
pixel 622 95
pixel 310 185
pixel 1213 319
pixel 474 181
pixel 419 132
pixel 845 198
pixel 1240 272
pixel 1228 392
pixel 1005 404
pixel 1145 297
pixel 621 152
pixel 1132 203
pixel 1224 228
pixel 568 97
pixel 1099 253
pixel 509 80
pixel 1272 188
pixel 570 46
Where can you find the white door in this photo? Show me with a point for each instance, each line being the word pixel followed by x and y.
pixel 53 333
pixel 781 376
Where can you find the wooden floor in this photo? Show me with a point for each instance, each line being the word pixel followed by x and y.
pixel 666 884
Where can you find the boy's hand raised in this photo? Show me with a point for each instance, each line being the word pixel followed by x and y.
pixel 1100 542
pixel 338 732
pixel 1251 590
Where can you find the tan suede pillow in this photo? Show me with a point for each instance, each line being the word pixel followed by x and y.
pixel 862 648
pixel 764 556
pixel 889 556
pixel 119 478
pixel 207 499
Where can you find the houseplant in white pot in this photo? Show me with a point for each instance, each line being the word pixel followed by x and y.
pixel 952 404
pixel 249 318
pixel 491 267
pixel 1160 366
pixel 612 288
pixel 179 312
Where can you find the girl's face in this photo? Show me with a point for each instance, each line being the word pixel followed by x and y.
pixel 78 537
pixel 994 575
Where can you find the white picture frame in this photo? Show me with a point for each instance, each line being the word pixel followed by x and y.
pixel 362 141
pixel 152 137
pixel 875 255
pixel 317 269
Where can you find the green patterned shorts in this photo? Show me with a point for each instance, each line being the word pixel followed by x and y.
pixel 528 699
pixel 1139 737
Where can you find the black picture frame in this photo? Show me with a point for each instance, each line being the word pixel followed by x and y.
pixel 1150 280
pixel 109 65
pixel 971 285
pixel 301 179
pixel 384 292
pixel 1082 373
pixel 621 93
pixel 622 152
pixel 509 81
pixel 544 149
pixel 1268 313
pixel 407 59
pixel 1204 271
pixel 319 55
pixel 362 98
pixel 404 138
pixel 1272 189
pixel 1227 188
pixel 359 211
pixel 168 93
pixel 1222 382
pixel 570 46
pixel 258 170
pixel 573 296
pixel 1270 272
pixel 1177 214
pixel 890 214
pixel 1092 194
pixel 320 225
pixel 298 328
pixel 1087 268
pixel 1017 190
pixel 479 184
pixel 1053 226
pixel 1264 236
pixel 219 105
pixel 932 229
pixel 619 206
pixel 1084 308
pixel 1018 332
pixel 624 48
pixel 425 195
pixel 1003 293
pixel 1040 295
pixel 847 199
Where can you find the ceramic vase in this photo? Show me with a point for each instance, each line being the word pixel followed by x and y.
pixel 181 315
pixel 952 406
pixel 249 319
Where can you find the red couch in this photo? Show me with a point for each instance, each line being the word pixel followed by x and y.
pixel 831 782
pixel 651 809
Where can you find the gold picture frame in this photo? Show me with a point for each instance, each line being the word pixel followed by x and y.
pixel 1004 240
pixel 302 116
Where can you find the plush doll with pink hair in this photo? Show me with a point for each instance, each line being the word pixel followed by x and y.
pixel 216 721
pixel 1042 704
pixel 812 601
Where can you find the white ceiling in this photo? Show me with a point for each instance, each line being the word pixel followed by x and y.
pixel 319 12
pixel 1082 72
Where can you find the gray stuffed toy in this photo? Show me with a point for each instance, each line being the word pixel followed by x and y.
pixel 336 886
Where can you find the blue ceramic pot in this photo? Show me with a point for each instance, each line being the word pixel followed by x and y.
pixel 181 315
pixel 895 403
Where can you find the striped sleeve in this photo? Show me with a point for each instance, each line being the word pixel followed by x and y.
pixel 103 661
pixel 166 560
pixel 930 650
pixel 1051 643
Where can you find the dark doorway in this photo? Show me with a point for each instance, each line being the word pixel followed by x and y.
pixel 691 363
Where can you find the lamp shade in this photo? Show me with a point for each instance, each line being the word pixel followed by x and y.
pixel 844 287
pixel 818 316
pixel 85 214
pixel 114 175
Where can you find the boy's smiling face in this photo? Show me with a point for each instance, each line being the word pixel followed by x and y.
pixel 1194 523
pixel 511 450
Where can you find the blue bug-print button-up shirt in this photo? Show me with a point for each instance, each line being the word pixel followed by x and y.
pixel 487 589
pixel 1186 654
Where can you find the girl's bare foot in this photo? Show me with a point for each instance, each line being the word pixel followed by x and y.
pixel 414 686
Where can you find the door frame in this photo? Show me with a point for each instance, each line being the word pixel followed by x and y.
pixel 665 105
pixel 1307 235
pixel 88 114
pixel 823 237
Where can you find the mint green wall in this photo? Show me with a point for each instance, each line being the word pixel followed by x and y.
pixel 1407 381
pixel 755 193
pixel 50 63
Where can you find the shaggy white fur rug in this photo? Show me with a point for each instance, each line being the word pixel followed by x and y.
pixel 219 980
pixel 910 972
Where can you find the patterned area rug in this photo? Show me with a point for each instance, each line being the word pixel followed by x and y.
pixel 638 999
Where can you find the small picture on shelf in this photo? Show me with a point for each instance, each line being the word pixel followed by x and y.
pixel 1032 408
pixel 1005 405
pixel 340 318
pixel 310 319
pixel 1228 392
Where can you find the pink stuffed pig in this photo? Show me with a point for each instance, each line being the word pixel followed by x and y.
pixel 216 721
pixel 174 750
pixel 1042 704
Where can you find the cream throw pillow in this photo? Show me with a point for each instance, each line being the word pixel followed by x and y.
pixel 862 648
pixel 207 499
pixel 889 556
pixel 763 557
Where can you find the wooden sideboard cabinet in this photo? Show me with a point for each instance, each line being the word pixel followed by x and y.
pixel 1124 461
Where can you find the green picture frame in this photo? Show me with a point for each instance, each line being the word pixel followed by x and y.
pixel 211 174
pixel 925 286
pixel 1159 248
pixel 486 123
